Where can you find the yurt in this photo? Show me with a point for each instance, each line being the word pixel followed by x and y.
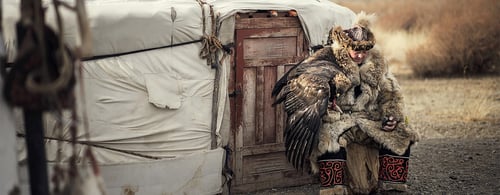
pixel 176 94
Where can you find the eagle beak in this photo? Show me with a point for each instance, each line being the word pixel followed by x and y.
pixel 334 104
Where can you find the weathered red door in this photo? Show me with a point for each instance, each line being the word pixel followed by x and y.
pixel 263 46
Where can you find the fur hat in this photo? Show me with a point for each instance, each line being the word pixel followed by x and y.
pixel 357 38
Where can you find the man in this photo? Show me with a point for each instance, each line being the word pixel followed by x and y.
pixel 372 120
pixel 346 115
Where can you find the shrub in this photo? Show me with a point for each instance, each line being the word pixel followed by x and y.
pixel 462 42
pixel 461 35
pixel 396 15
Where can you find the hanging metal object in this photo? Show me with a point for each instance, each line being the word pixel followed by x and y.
pixel 42 76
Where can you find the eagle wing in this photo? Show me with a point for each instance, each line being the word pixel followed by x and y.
pixel 305 91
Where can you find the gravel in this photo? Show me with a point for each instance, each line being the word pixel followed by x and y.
pixel 440 166
pixel 459 153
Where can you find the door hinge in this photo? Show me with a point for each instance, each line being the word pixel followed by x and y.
pixel 234 93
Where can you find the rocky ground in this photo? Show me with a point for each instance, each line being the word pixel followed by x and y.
pixel 459 153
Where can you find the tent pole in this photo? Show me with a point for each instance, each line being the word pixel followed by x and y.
pixel 32 11
pixel 217 65
pixel 37 162
pixel 215 107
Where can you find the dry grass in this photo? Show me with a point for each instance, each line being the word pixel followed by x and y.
pixel 462 42
pixel 395 15
pixel 442 38
pixel 437 37
pixel 457 99
pixel 395 45
pixel 454 107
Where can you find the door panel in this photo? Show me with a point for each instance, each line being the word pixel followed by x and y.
pixel 265 50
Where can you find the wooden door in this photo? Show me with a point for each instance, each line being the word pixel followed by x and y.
pixel 263 46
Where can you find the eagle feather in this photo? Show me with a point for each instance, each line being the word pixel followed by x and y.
pixel 306 90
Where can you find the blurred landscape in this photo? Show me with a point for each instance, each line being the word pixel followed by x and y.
pixel 446 56
pixel 436 38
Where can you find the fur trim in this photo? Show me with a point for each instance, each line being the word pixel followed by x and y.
pixel 396 141
pixel 380 97
pixel 339 37
pixel 365 20
pixel 334 125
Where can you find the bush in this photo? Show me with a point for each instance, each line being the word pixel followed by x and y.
pixel 395 15
pixel 461 35
pixel 462 42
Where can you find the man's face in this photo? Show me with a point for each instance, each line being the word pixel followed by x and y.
pixel 358 56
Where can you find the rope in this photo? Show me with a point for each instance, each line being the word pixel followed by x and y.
pixel 210 43
pixel 97 146
pixel 202 15
pixel 138 51
pixel 66 69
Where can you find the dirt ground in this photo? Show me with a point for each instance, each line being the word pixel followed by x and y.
pixel 459 122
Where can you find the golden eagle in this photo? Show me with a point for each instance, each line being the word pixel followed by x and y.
pixel 307 90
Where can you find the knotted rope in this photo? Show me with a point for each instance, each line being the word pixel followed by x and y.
pixel 210 43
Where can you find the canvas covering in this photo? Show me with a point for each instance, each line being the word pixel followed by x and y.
pixel 158 102
pixel 147 96
pixel 8 164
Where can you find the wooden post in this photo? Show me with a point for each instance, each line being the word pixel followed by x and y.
pixel 37 161
pixel 215 108
pixel 33 118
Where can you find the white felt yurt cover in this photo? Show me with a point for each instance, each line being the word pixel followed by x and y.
pixel 149 94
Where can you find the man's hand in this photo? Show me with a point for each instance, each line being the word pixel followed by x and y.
pixel 389 124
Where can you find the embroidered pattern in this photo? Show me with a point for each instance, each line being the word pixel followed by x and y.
pixel 393 168
pixel 331 173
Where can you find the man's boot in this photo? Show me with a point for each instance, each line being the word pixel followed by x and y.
pixel 393 171
pixel 332 172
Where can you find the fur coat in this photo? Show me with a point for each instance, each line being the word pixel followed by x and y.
pixel 374 94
